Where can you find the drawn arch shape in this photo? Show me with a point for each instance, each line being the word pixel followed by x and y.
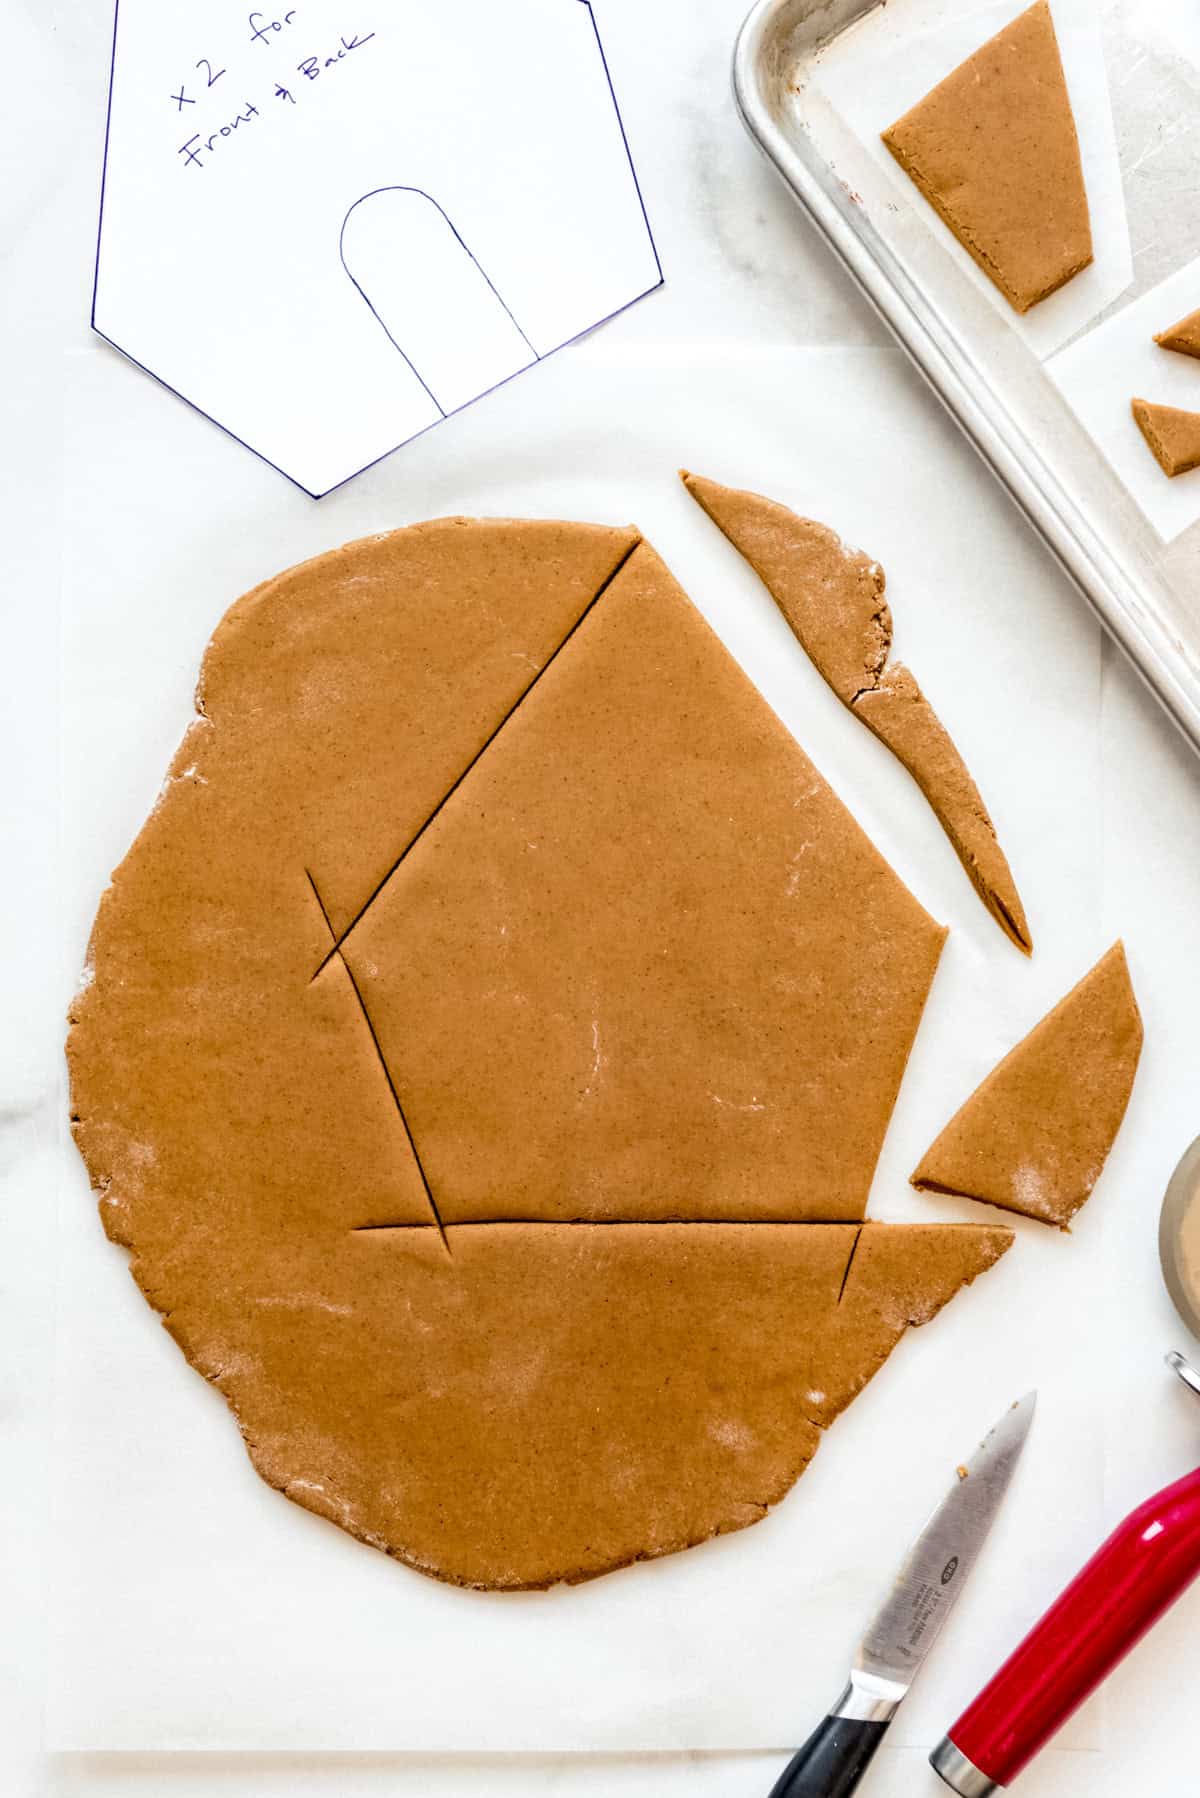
pixel 432 297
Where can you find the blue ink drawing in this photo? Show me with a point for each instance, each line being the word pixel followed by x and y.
pixel 464 256
pixel 432 297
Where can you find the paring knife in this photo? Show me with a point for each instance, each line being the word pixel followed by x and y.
pixel 889 1657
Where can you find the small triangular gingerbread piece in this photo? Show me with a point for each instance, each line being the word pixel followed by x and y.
pixel 1184 337
pixel 1173 435
pixel 1035 1135
pixel 993 149
pixel 833 599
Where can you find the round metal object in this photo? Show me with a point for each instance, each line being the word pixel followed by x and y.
pixel 1179 1238
pixel 960 1774
pixel 1184 1369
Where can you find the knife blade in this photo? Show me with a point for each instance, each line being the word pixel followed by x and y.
pixel 904 1629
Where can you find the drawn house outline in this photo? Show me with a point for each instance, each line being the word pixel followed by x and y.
pixel 152 361
pixel 479 298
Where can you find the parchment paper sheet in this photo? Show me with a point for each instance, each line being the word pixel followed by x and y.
pixel 879 68
pixel 195 1608
pixel 1119 360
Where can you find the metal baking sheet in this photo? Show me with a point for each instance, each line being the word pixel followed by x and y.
pixel 1145 591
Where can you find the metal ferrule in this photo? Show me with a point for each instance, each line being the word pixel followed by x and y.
pixel 960 1774
pixel 868 1700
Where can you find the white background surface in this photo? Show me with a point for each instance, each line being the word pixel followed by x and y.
pixel 741 270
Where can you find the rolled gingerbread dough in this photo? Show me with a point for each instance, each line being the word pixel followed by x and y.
pixel 488 1043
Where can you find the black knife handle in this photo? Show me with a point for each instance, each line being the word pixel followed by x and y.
pixel 832 1761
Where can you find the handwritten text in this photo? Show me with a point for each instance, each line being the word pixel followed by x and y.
pixel 266 29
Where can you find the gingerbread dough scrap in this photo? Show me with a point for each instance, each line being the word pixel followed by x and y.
pixel 993 149
pixel 833 599
pixel 1183 337
pixel 587 892
pixel 1035 1135
pixel 1173 435
pixel 549 1402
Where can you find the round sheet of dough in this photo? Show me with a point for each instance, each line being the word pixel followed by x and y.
pixel 488 1044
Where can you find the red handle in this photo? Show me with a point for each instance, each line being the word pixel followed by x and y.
pixel 1125 1587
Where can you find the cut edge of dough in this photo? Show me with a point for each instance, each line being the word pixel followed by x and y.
pixel 1150 417
pixel 925 1179
pixel 997 889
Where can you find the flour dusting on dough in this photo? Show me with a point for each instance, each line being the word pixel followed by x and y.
pixel 795 873
pixel 598 1060
pixel 304 1301
pixel 339 1509
pixel 730 1433
pixel 1032 1193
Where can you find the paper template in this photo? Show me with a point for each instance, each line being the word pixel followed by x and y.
pixel 288 1635
pixel 1120 361
pixel 876 71
pixel 330 226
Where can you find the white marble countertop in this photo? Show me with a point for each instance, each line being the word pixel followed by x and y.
pixel 741 269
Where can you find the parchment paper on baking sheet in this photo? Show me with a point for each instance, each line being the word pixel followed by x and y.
pixel 1168 28
pixel 195 1608
pixel 1118 361
pixel 874 71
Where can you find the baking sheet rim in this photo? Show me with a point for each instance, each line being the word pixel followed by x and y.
pixel 947 366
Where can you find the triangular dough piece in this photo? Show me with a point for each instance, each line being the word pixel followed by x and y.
pixel 549 1402
pixel 456 655
pixel 993 149
pixel 1035 1135
pixel 1183 337
pixel 1173 436
pixel 833 598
